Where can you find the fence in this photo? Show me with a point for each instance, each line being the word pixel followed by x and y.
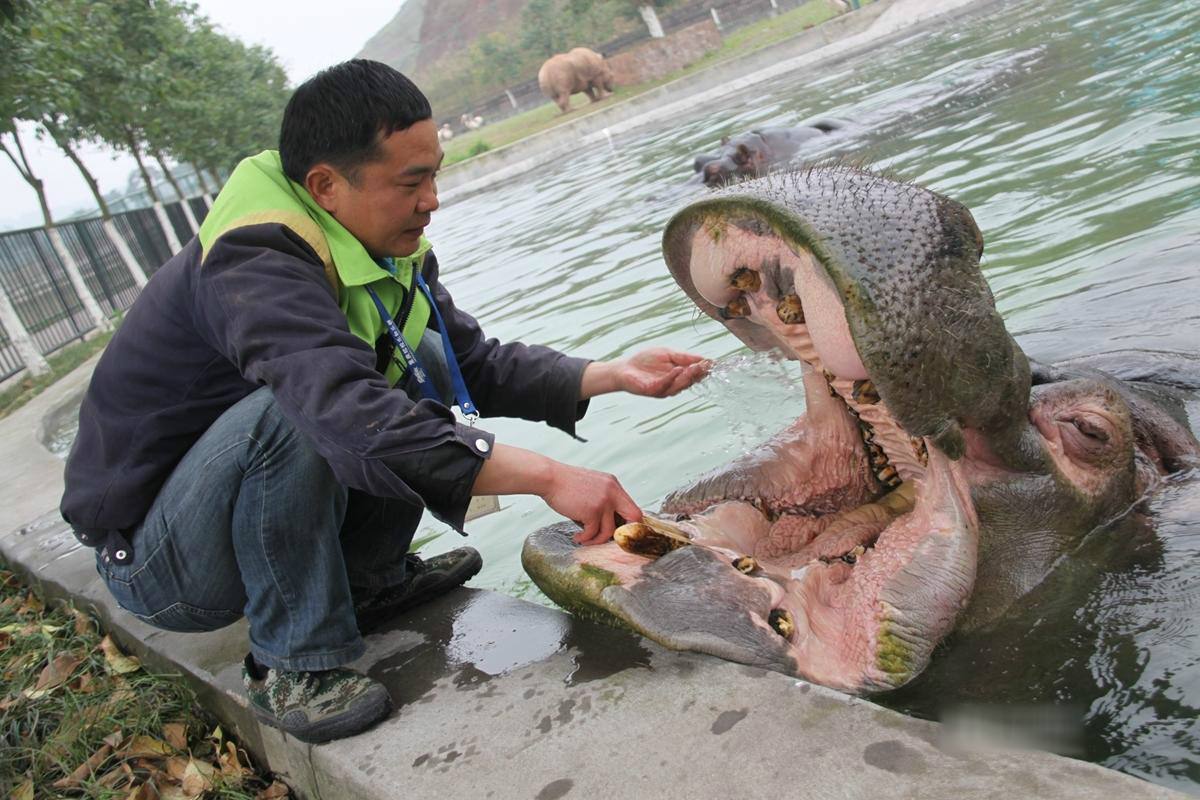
pixel 36 282
pixel 729 15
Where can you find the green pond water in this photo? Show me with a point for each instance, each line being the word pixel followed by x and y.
pixel 1072 131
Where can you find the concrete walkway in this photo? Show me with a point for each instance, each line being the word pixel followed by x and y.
pixel 501 698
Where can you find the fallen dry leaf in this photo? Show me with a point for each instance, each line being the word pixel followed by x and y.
pixel 32 605
pixel 176 767
pixel 143 746
pixel 144 791
pixel 115 776
pixel 23 791
pixel 275 791
pixel 198 778
pixel 83 623
pixel 176 735
pixel 84 684
pixel 117 661
pixel 232 770
pixel 171 791
pixel 5 640
pixel 84 770
pixel 54 675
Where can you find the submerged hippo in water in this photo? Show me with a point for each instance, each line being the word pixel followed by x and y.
pixel 753 154
pixel 935 478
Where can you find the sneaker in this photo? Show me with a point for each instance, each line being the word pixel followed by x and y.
pixel 315 706
pixel 426 580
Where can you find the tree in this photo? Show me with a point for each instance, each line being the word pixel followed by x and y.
pixel 34 86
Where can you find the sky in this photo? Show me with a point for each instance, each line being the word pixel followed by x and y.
pixel 305 36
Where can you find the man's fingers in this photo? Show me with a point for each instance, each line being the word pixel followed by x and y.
pixel 590 528
pixel 608 524
pixel 684 359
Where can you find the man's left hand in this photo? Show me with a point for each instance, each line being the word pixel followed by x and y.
pixel 657 372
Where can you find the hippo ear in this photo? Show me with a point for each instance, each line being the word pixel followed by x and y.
pixel 724 141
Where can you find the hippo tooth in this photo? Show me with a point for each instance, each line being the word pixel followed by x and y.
pixel 920 451
pixel 738 307
pixel 888 474
pixel 864 393
pixel 745 564
pixel 781 621
pixel 746 280
pixel 790 311
pixel 868 433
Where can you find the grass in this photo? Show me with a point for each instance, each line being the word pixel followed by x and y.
pixel 741 42
pixel 61 363
pixel 78 718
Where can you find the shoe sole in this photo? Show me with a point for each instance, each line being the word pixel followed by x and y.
pixel 339 727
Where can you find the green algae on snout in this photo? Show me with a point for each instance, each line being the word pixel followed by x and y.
pixel 598 574
pixel 893 655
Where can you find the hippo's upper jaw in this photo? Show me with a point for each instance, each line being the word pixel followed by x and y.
pixel 864 518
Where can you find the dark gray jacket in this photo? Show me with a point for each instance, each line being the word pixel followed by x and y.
pixel 261 312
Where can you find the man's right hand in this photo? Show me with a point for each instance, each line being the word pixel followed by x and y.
pixel 594 500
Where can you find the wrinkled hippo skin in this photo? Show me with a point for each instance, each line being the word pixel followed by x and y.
pixel 753 154
pixel 937 475
pixel 579 70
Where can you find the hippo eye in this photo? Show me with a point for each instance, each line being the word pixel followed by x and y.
pixel 1090 429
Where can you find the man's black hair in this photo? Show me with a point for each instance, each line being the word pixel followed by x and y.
pixel 340 115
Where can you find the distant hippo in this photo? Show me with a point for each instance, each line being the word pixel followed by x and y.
pixel 751 155
pixel 580 70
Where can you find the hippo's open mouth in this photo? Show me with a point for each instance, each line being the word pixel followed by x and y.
pixel 857 517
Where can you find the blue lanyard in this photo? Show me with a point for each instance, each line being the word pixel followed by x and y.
pixel 461 396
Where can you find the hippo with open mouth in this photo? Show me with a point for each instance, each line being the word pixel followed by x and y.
pixel 934 479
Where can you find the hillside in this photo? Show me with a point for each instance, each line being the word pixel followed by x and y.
pixel 423 31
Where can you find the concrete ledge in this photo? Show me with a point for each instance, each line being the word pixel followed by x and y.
pixel 501 698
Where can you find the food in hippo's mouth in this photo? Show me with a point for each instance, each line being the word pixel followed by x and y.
pixel 846 547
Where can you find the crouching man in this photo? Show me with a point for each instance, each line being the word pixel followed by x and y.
pixel 263 433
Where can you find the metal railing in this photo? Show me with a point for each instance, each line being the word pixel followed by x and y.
pixel 36 282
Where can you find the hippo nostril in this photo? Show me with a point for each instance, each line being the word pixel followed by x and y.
pixel 738 307
pixel 790 311
pixel 746 280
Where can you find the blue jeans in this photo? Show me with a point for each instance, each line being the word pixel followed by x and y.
pixel 252 522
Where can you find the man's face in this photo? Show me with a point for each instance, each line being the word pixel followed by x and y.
pixel 388 204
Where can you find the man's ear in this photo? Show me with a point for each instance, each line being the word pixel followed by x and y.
pixel 326 185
